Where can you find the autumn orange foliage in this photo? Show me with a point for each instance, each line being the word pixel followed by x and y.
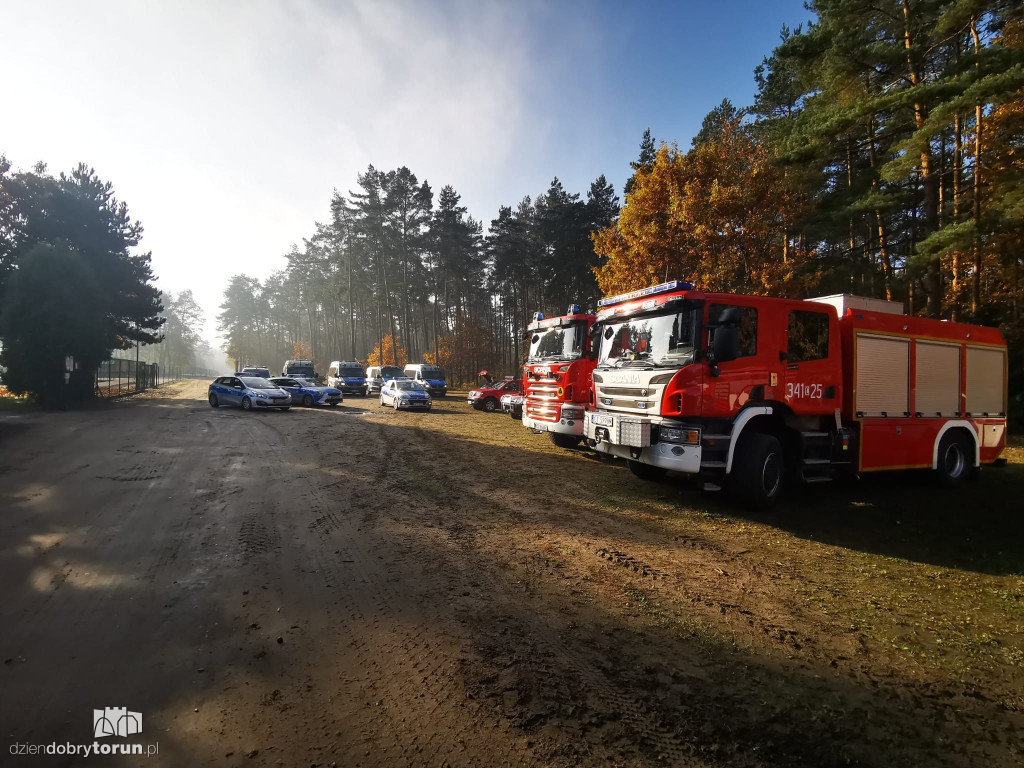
pixel 715 216
pixel 393 353
pixel 301 351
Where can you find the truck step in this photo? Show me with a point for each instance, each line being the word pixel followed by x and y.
pixel 818 479
pixel 716 438
pixel 712 487
pixel 817 462
pixel 712 465
pixel 814 435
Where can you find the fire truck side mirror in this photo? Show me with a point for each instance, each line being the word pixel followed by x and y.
pixel 725 340
pixel 725 344
pixel 594 335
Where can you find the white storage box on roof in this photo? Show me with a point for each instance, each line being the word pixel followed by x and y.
pixel 845 301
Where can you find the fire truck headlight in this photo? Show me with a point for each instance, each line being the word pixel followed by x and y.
pixel 572 413
pixel 678 435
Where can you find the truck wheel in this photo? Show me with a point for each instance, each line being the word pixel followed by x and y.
pixel 645 471
pixel 954 460
pixel 490 405
pixel 757 470
pixel 569 441
pixel 213 401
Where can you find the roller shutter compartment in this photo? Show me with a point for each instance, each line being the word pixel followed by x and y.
pixel 986 381
pixel 937 377
pixel 882 376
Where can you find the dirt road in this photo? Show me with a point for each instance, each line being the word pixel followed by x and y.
pixel 357 587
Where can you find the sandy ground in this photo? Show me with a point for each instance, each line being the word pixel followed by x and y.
pixel 357 587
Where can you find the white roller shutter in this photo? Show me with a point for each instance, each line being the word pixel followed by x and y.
pixel 883 376
pixel 986 381
pixel 937 372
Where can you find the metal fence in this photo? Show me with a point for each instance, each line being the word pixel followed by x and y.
pixel 119 377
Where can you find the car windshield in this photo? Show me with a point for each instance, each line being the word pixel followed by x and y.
pixel 409 385
pixel 651 341
pixel 285 383
pixel 390 372
pixel 351 371
pixel 431 372
pixel 252 382
pixel 557 343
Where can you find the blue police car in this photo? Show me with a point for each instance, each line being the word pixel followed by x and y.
pixel 248 392
pixel 304 392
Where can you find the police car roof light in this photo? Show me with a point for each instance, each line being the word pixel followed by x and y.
pixel 574 309
pixel 672 285
pixel 538 315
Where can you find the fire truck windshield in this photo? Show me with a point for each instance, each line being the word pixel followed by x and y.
pixel 652 341
pixel 557 343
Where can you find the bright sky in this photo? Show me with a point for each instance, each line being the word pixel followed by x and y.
pixel 226 126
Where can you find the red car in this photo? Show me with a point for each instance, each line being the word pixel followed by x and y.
pixel 488 397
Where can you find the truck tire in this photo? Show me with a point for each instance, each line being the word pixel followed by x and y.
pixel 645 471
pixel 490 405
pixel 757 470
pixel 954 460
pixel 566 441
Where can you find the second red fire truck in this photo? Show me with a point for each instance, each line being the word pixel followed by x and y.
pixel 745 391
pixel 557 375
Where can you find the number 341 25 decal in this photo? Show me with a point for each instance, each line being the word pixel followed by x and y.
pixel 801 390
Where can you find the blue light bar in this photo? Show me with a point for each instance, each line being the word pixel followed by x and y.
pixel 538 316
pixel 673 285
pixel 574 309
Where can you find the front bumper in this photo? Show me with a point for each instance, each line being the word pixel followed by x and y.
pixel 564 426
pixel 411 405
pixel 331 400
pixel 261 403
pixel 437 391
pixel 352 389
pixel 629 437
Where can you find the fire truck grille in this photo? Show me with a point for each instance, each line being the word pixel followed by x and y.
pixel 543 409
pixel 625 391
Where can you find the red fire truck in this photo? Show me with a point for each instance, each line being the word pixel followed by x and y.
pixel 556 376
pixel 745 391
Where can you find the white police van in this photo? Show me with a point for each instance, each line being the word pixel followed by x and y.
pixel 430 376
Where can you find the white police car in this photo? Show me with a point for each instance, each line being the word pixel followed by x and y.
pixel 405 393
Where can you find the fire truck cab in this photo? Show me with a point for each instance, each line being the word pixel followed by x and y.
pixel 745 391
pixel 557 376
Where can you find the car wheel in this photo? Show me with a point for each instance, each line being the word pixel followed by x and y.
pixel 954 460
pixel 490 405
pixel 246 404
pixel 213 401
pixel 307 401
pixel 396 405
pixel 645 471
pixel 758 470
pixel 382 402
